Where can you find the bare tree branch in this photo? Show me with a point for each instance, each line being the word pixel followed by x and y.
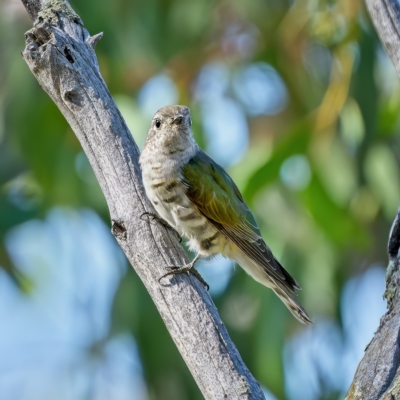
pixel 33 7
pixel 385 15
pixel 378 374
pixel 60 54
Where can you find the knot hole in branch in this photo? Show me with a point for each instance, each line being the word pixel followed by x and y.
pixel 68 55
pixel 72 96
pixel 118 230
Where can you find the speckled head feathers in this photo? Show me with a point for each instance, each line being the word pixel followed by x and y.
pixel 172 115
pixel 170 129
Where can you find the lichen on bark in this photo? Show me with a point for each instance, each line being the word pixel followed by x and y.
pixel 53 8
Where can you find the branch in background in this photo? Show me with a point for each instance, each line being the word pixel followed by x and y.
pixel 60 54
pixel 378 374
pixel 385 15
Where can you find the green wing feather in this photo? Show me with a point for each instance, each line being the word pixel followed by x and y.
pixel 217 197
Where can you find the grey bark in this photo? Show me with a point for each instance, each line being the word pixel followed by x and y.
pixel 378 374
pixel 33 7
pixel 60 53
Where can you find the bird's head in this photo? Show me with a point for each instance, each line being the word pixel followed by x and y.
pixel 170 128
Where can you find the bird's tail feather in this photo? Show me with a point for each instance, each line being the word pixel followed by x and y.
pixel 284 290
pixel 291 303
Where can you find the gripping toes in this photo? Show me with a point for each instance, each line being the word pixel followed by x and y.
pixel 176 270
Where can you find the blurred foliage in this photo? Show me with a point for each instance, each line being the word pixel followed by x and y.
pixel 321 172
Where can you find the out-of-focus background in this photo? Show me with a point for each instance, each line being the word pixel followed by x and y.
pixel 297 100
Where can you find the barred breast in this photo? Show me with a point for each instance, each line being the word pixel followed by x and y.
pixel 167 194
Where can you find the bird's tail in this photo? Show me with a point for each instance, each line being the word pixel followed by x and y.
pixel 284 288
pixel 291 303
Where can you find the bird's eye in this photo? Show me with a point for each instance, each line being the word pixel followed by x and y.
pixel 158 123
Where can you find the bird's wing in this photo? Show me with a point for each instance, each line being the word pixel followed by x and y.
pixel 217 197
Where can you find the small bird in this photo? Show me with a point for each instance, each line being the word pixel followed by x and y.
pixel 199 200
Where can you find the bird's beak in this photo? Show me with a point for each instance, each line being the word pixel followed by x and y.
pixel 177 120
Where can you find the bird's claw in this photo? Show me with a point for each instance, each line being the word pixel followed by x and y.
pixel 153 217
pixel 189 269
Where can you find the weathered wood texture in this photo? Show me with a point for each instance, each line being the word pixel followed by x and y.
pixel 61 56
pixel 33 7
pixel 378 374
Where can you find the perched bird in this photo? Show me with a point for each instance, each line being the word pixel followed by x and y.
pixel 198 199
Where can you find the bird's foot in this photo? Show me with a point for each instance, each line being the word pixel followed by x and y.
pixel 189 269
pixel 155 217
